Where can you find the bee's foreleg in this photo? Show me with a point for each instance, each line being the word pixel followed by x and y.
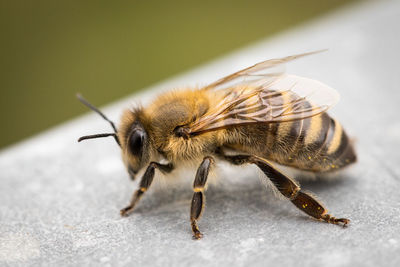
pixel 145 183
pixel 198 199
pixel 289 188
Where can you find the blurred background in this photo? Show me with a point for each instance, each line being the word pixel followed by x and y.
pixel 106 50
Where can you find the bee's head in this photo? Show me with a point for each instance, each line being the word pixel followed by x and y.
pixel 131 137
pixel 135 141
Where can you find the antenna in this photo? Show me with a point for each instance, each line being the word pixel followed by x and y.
pixel 86 103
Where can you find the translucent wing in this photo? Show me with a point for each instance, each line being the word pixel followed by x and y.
pixel 278 99
pixel 267 71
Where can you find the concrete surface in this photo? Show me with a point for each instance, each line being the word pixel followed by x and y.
pixel 60 200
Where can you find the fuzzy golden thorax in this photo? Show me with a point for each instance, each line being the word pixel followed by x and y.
pixel 178 109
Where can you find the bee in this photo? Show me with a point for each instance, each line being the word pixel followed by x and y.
pixel 262 114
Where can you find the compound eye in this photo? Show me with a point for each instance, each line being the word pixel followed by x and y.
pixel 136 141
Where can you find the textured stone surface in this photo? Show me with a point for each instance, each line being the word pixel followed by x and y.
pixel 60 200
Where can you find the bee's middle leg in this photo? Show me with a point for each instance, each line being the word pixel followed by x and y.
pixel 145 183
pixel 289 188
pixel 198 199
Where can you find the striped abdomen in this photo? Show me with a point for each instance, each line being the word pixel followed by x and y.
pixel 316 144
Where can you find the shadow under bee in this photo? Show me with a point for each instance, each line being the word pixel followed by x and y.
pixel 229 197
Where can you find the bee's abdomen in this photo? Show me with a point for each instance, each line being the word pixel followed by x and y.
pixel 316 144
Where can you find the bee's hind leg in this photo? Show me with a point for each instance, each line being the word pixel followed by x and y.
pixel 289 188
pixel 198 199
pixel 145 183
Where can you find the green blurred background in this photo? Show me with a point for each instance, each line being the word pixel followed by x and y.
pixel 109 49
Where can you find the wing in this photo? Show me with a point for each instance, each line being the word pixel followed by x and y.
pixel 269 98
pixel 268 71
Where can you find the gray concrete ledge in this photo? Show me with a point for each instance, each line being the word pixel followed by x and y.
pixel 60 200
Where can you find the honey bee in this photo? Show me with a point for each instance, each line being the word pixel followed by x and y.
pixel 264 115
